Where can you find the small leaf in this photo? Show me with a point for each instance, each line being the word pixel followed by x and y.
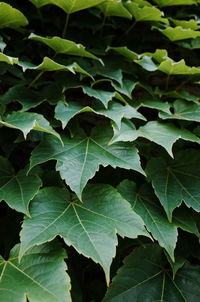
pixel 104 96
pixel 81 156
pixel 8 59
pixel 90 226
pixel 17 190
pixel 64 46
pixel 174 68
pixel 144 277
pixel 145 13
pixel 179 33
pixel 183 111
pixel 192 23
pixel 114 8
pixel 144 204
pixel 69 7
pixel 162 134
pixel 11 17
pixel 126 87
pixel 26 121
pixel 164 3
pixel 124 51
pixel 176 180
pixel 40 276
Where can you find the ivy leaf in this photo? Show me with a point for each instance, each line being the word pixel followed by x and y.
pixel 26 121
pixel 144 277
pixel 153 103
pixel 80 157
pixel 176 180
pixel 40 276
pixel 192 23
pixel 104 96
pixel 145 13
pixel 179 33
pixel 50 65
pixel 164 135
pixel 126 87
pixel 64 46
pixel 126 52
pixel 11 17
pixel 174 68
pixel 183 111
pixel 164 3
pixel 90 226
pixel 115 111
pixel 69 7
pixel 114 8
pixel 143 203
pixel 8 59
pixel 17 190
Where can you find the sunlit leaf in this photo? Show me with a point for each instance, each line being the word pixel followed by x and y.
pixel 114 8
pixel 11 17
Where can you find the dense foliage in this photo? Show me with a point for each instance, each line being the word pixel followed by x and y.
pixel 100 154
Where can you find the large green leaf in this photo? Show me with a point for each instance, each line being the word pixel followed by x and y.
pixel 115 112
pixel 177 68
pixel 145 13
pixel 183 110
pixel 144 204
pixel 64 46
pixel 17 189
pixel 69 6
pixel 11 17
pixel 27 121
pixel 164 3
pixel 164 135
pixel 176 180
pixel 114 8
pixel 40 276
pixel 80 157
pixel 144 277
pixel 90 226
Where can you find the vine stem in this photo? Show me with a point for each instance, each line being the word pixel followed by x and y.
pixel 35 79
pixel 127 32
pixel 65 26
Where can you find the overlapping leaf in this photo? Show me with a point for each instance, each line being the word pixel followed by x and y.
pixel 115 112
pixel 69 7
pixel 177 180
pixel 64 46
pixel 179 33
pixel 11 17
pixel 17 189
pixel 80 157
pixel 27 121
pixel 40 276
pixel 164 135
pixel 144 277
pixel 90 226
pixel 114 8
pixel 164 3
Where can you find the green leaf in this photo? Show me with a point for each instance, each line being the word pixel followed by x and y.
pixel 179 33
pixel 8 59
pixel 114 8
pixel 177 68
pixel 144 277
pixel 183 110
pixel 164 3
pixel 192 23
pixel 26 121
pixel 64 46
pixel 153 103
pixel 80 157
pixel 126 87
pixel 17 189
pixel 115 111
pixel 40 276
pixel 2 44
pixel 104 96
pixel 90 226
pixel 11 17
pixel 124 51
pixel 162 134
pixel 143 202
pixel 145 13
pixel 176 180
pixel 69 7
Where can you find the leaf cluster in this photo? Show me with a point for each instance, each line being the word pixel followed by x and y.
pixel 100 150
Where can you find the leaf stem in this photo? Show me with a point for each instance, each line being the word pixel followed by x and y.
pixel 35 79
pixel 126 32
pixel 65 26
